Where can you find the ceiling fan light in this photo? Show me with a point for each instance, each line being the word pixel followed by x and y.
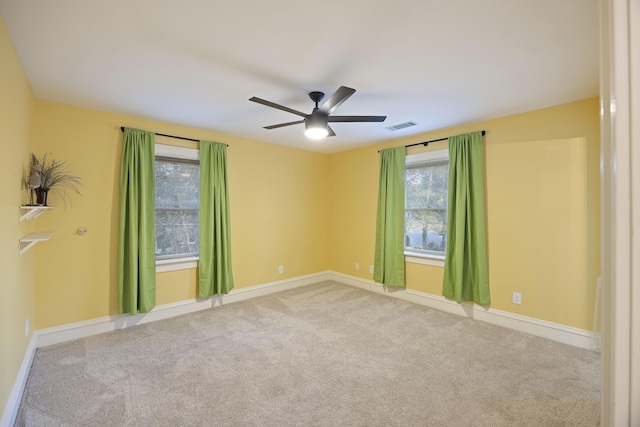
pixel 316 132
pixel 316 127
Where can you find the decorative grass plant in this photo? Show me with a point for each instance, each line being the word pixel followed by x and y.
pixel 49 175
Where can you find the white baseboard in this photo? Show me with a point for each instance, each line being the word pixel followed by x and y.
pixel 13 404
pixel 72 331
pixel 553 331
pixel 541 328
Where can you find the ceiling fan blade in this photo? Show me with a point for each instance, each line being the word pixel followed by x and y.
pixel 284 124
pixel 331 132
pixel 357 118
pixel 278 106
pixel 335 100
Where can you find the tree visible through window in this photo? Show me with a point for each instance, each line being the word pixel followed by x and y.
pixel 426 205
pixel 177 207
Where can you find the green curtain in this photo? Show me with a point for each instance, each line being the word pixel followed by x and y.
pixel 389 256
pixel 466 275
pixel 214 268
pixel 136 247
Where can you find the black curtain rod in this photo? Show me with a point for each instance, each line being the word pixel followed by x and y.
pixel 171 136
pixel 425 143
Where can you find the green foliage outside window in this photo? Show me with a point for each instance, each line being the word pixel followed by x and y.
pixel 426 207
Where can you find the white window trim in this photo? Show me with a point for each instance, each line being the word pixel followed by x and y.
pixel 417 159
pixel 416 258
pixel 427 157
pixel 175 264
pixel 188 262
pixel 176 152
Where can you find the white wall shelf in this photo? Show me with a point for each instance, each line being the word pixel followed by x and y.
pixel 31 239
pixel 29 212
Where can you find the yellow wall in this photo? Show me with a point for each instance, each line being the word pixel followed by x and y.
pixel 16 278
pixel 278 203
pixel 542 189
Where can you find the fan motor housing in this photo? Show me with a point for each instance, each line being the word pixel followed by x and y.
pixel 317 118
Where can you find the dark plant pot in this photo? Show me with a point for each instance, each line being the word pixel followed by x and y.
pixel 41 196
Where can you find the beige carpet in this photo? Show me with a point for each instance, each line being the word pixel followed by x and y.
pixel 321 355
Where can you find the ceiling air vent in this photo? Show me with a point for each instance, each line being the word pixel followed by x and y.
pixel 401 126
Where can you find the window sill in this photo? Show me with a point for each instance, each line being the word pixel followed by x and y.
pixel 174 264
pixel 417 258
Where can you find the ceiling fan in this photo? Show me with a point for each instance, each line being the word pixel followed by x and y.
pixel 317 123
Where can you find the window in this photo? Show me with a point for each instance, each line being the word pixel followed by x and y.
pixel 177 202
pixel 427 177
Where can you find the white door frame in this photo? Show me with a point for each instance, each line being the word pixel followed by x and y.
pixel 620 193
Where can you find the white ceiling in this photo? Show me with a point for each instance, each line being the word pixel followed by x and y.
pixel 438 63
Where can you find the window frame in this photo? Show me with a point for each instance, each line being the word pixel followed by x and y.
pixel 179 153
pixel 425 158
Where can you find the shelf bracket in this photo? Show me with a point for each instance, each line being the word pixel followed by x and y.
pixel 31 239
pixel 29 212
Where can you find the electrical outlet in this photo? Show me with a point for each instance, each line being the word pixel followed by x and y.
pixel 357 266
pixel 371 269
pixel 27 328
pixel 281 269
pixel 517 298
